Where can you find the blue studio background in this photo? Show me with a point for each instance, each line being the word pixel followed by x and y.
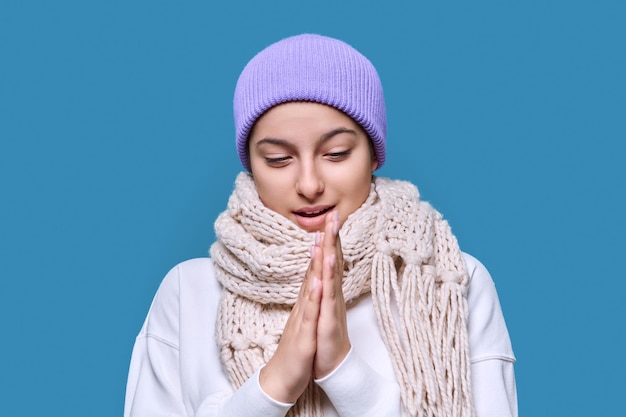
pixel 117 154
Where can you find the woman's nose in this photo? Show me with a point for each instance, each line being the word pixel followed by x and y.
pixel 309 183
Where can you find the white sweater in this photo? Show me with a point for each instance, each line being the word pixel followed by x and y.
pixel 175 368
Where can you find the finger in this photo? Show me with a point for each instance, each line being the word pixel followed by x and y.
pixel 311 309
pixel 333 274
pixel 308 273
pixel 310 290
pixel 333 242
pixel 311 300
pixel 301 325
pixel 331 230
pixel 314 272
pixel 330 277
pixel 338 258
pixel 336 227
pixel 315 266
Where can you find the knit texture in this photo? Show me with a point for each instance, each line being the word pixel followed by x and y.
pixel 310 68
pixel 395 246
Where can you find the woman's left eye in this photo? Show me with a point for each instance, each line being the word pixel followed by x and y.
pixel 337 156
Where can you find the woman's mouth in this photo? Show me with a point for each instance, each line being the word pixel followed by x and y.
pixel 312 218
pixel 313 212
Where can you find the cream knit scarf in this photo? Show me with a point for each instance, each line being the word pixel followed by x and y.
pixel 396 247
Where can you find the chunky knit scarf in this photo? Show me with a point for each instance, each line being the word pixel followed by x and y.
pixel 396 247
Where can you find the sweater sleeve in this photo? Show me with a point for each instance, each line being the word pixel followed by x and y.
pixel 166 379
pixel 371 396
pixel 247 401
pixel 491 354
pixel 154 390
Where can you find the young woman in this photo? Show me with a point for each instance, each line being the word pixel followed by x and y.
pixel 330 291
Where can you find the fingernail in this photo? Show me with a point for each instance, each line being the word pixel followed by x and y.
pixel 314 284
pixel 312 251
pixel 335 222
pixel 317 238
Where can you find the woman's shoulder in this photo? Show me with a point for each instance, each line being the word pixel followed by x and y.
pixel 481 285
pixel 194 267
pixel 479 277
pixel 489 338
pixel 474 266
pixel 188 286
pixel 195 275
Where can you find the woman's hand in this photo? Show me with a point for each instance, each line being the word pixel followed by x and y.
pixel 315 339
pixel 333 343
pixel 288 372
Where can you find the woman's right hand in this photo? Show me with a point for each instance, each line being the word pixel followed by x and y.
pixel 288 372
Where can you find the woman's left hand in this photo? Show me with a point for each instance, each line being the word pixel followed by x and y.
pixel 333 343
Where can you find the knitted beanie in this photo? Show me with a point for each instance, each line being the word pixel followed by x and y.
pixel 311 68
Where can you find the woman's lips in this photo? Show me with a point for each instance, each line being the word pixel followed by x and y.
pixel 312 218
pixel 313 212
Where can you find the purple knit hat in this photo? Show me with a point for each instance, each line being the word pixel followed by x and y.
pixel 311 68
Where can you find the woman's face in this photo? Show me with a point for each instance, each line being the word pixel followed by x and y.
pixel 309 158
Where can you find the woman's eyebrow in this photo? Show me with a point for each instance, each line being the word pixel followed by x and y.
pixel 273 141
pixel 337 131
pixel 326 136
